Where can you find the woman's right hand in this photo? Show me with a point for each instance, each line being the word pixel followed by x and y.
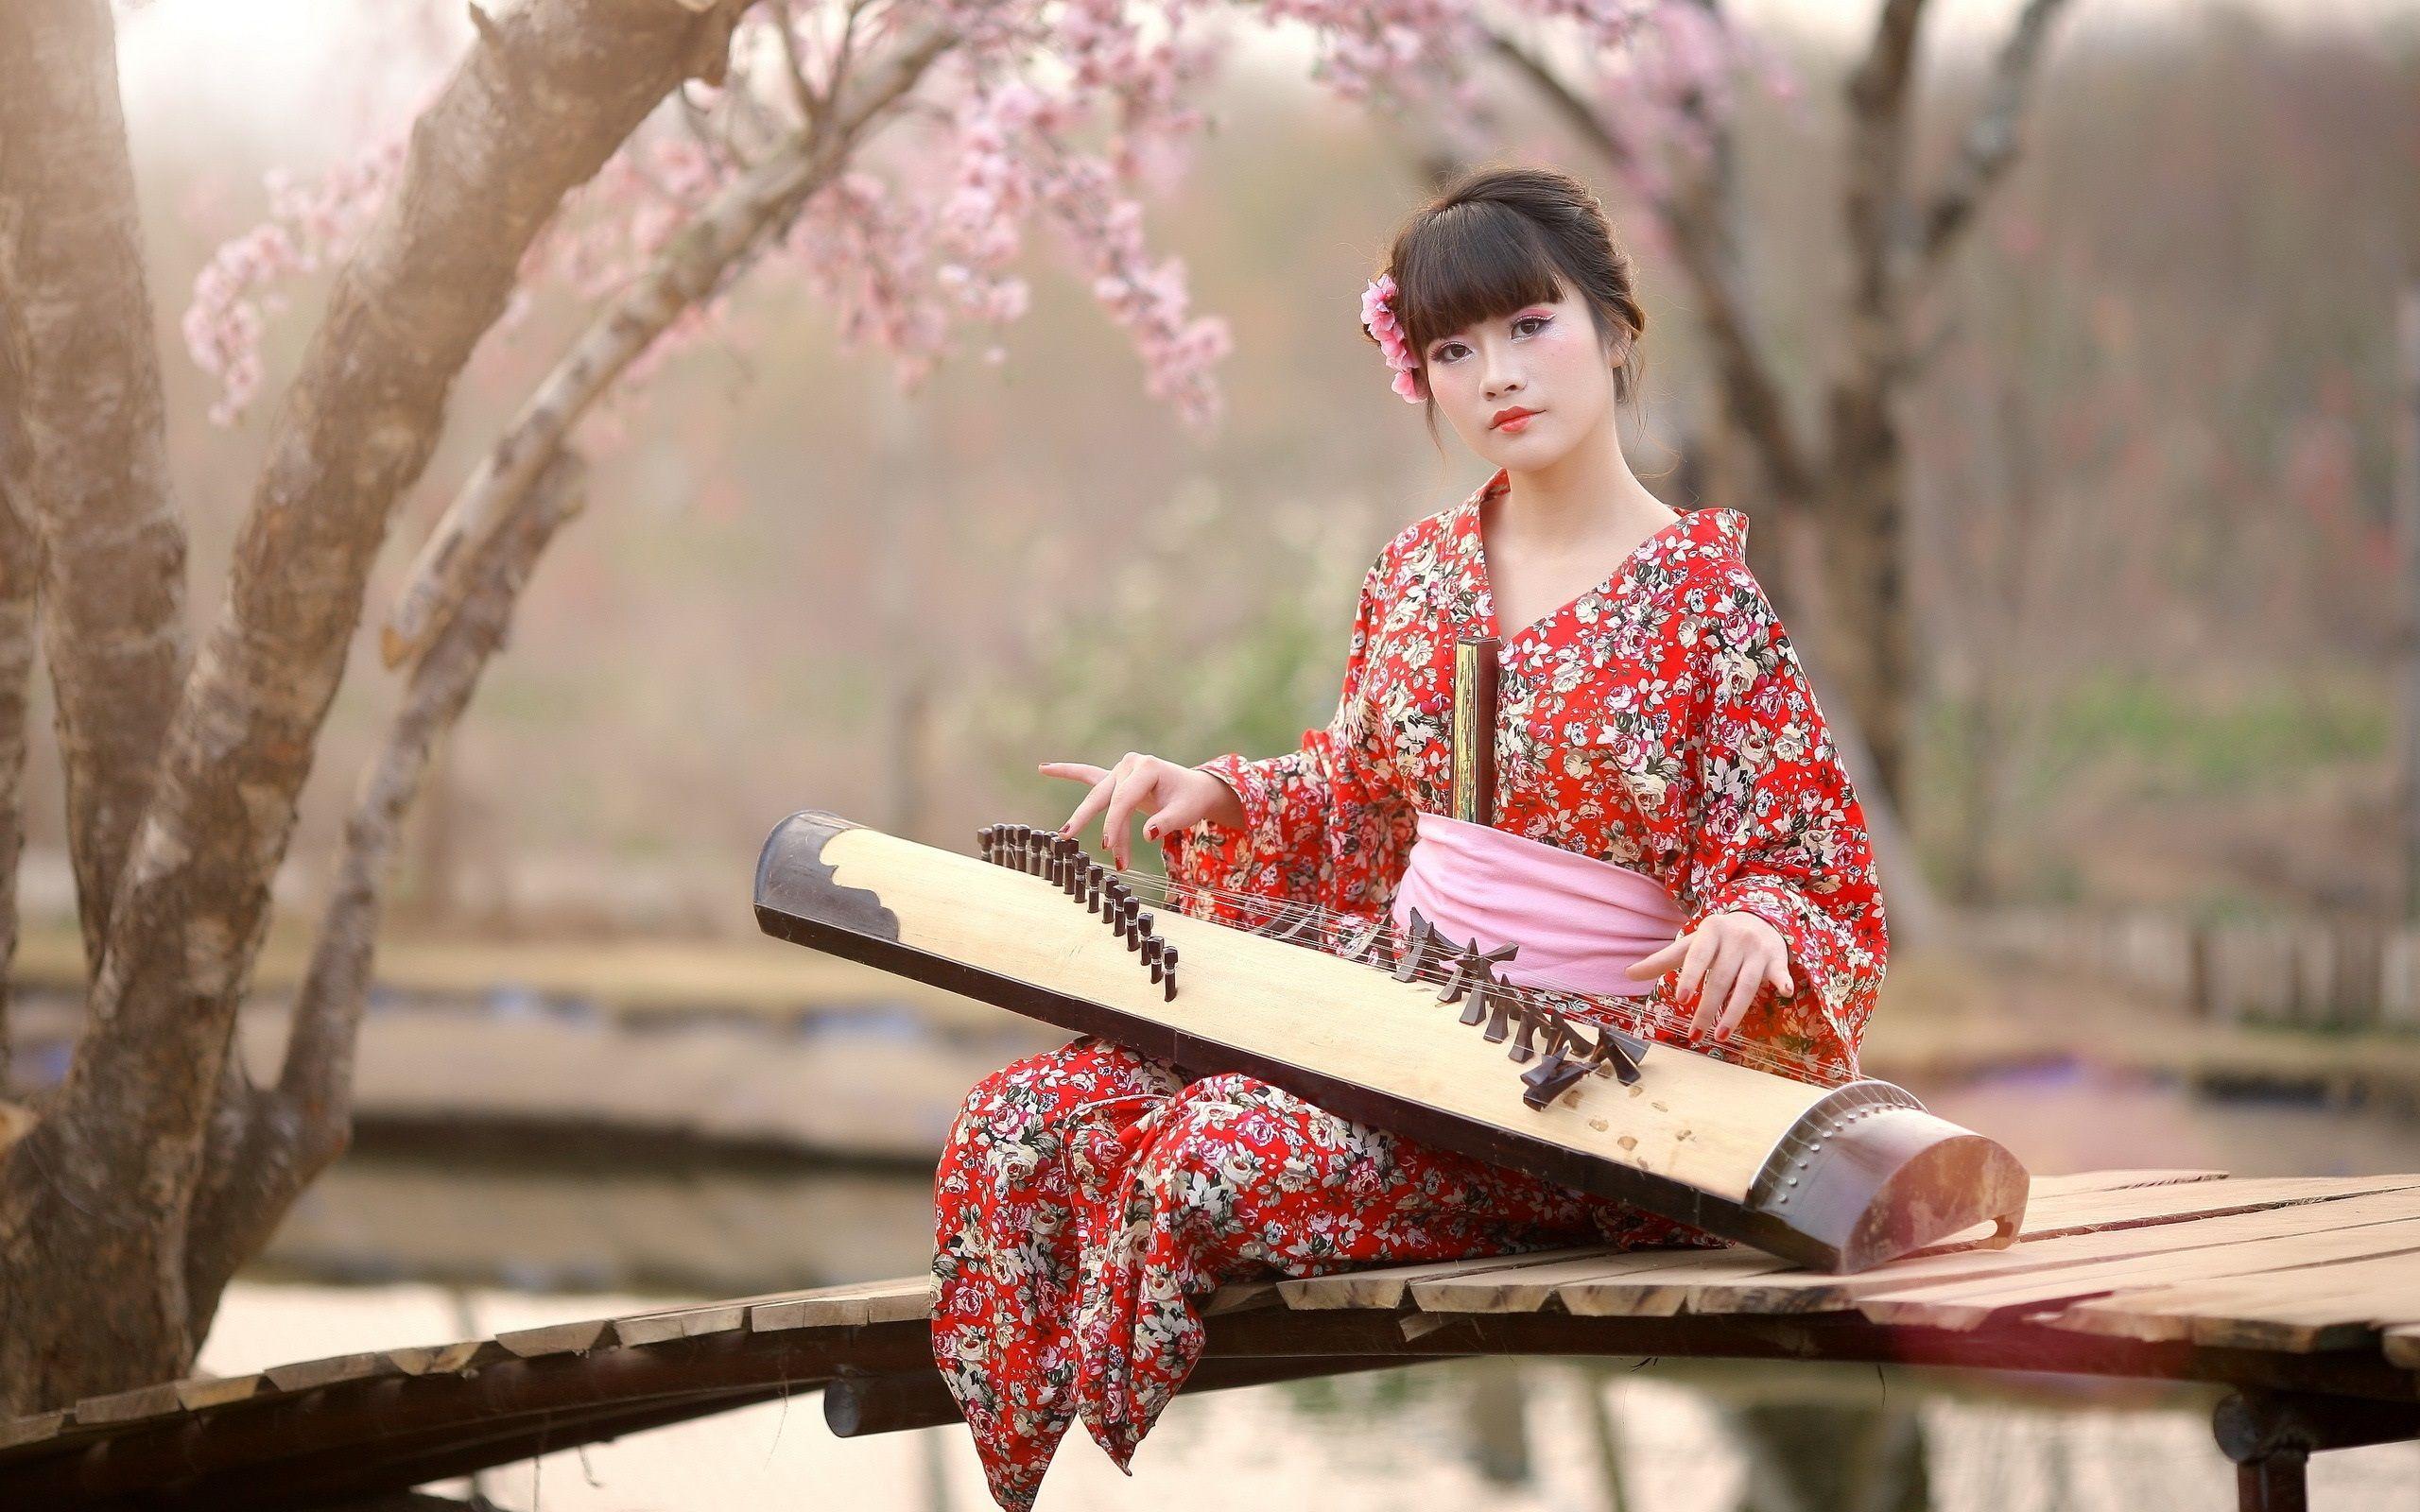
pixel 1174 797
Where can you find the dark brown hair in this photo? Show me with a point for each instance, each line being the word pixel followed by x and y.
pixel 1495 239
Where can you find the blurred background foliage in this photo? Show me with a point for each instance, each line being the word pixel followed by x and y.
pixel 2152 468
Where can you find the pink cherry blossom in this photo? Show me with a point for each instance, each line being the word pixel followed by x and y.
pixel 1059 114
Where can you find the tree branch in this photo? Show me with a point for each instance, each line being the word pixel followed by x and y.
pixel 523 120
pixel 1574 112
pixel 1990 139
pixel 1873 206
pixel 294 1130
pixel 697 261
pixel 1695 226
pixel 91 479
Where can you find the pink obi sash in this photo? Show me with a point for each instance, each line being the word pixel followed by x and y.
pixel 1580 921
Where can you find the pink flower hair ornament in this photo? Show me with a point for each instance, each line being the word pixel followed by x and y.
pixel 1378 318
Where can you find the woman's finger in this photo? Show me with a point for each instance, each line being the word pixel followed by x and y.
pixel 1735 1004
pixel 1783 983
pixel 1178 813
pixel 1659 961
pixel 1075 771
pixel 1093 803
pixel 1714 986
pixel 1139 783
pixel 1689 982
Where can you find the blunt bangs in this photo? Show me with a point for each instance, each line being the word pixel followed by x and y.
pixel 1476 261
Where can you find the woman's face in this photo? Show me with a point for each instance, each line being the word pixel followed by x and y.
pixel 1544 358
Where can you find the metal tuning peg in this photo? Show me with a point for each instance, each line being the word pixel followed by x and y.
pixel 1092 888
pixel 1138 931
pixel 1168 974
pixel 1151 954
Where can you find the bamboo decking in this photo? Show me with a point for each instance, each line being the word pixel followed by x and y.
pixel 2303 1294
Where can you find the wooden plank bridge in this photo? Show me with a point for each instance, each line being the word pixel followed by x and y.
pixel 2303 1294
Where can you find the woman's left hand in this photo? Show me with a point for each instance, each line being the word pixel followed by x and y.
pixel 1723 962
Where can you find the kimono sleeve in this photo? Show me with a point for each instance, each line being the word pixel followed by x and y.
pixel 1324 825
pixel 1779 834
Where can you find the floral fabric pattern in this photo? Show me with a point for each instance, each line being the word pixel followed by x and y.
pixel 1088 1198
pixel 1660 721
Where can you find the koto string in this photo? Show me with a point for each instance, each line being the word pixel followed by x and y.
pixel 1329 930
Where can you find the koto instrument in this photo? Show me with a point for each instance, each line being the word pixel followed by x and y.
pixel 1358 1015
pixel 1835 1178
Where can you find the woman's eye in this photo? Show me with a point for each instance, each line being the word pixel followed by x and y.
pixel 1451 349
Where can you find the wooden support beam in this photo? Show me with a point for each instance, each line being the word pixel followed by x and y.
pixel 2273 1485
pixel 2271 1436
pixel 858 1404
pixel 2253 1424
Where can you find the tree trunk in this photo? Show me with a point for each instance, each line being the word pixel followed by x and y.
pixel 18 562
pixel 1864 532
pixel 88 471
pixel 97 1201
pixel 298 1129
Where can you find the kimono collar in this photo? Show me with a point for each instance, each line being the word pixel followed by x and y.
pixel 1647 763
pixel 1707 526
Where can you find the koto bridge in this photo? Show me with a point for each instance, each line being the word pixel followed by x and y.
pixel 2303 1294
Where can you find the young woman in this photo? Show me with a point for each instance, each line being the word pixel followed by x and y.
pixel 1654 720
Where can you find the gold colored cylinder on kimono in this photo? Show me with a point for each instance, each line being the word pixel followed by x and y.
pixel 1476 668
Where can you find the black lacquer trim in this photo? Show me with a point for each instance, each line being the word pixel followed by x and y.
pixel 791 871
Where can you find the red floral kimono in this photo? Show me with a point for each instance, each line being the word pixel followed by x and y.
pixel 1089 1196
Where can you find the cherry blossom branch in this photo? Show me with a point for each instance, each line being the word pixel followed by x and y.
pixel 699 260
pixel 896 268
